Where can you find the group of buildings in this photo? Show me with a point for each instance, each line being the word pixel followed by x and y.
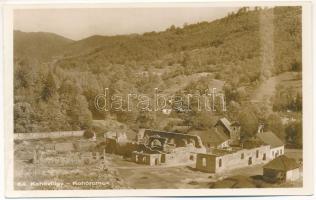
pixel 215 151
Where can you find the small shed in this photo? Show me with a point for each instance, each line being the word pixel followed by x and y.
pixel 281 168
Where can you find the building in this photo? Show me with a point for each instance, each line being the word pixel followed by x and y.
pixel 227 151
pixel 281 168
pixel 221 160
pixel 223 124
pixel 276 144
pixel 222 135
pixel 118 143
pixel 160 147
pixel 212 139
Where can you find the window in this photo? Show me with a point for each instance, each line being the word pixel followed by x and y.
pixel 204 162
pixel 264 157
pixel 242 156
pixel 281 152
pixel 257 154
pixel 94 155
pixel 219 162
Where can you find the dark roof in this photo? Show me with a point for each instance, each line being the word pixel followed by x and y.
pixel 218 136
pixel 213 136
pixel 282 163
pixel 252 143
pixel 235 123
pixel 270 138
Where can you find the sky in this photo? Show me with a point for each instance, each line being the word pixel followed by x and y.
pixel 79 23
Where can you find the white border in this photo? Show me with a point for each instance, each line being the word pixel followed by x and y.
pixel 307 108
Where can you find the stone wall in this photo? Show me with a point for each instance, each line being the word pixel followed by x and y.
pixel 66 159
pixel 58 134
pixel 293 175
pixel 205 162
pixel 146 159
pixel 228 161
pixel 178 139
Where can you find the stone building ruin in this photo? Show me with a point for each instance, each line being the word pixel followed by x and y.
pixel 160 147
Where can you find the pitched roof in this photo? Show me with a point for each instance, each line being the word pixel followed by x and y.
pixel 225 122
pixel 213 136
pixel 270 138
pixel 282 163
pixel 235 123
pixel 218 136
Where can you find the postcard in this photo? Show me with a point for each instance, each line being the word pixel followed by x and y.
pixel 158 99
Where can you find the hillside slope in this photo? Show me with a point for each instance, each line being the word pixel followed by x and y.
pixel 38 45
pixel 234 52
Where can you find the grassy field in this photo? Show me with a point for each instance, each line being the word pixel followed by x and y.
pixel 33 176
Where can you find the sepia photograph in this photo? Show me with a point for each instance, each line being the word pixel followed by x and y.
pixel 174 96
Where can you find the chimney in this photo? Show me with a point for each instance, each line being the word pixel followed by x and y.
pixel 260 128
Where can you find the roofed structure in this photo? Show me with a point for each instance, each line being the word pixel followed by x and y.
pixel 224 122
pixel 270 138
pixel 178 138
pixel 282 163
pixel 213 137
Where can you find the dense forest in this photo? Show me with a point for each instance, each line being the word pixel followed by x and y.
pixel 56 79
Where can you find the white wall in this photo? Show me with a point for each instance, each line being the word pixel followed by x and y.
pixel 275 152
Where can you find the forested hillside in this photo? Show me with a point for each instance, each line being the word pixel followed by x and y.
pixel 243 50
pixel 38 45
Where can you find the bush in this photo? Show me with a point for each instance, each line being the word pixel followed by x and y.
pixel 88 134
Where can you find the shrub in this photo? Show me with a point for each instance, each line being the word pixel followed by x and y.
pixel 88 134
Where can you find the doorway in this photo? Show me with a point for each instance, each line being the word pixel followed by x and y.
pixel 250 161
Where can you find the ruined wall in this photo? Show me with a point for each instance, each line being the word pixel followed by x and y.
pixel 177 138
pixel 206 163
pixel 243 158
pixel 146 159
pixel 180 157
pixel 228 161
pixel 58 134
pixel 66 159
